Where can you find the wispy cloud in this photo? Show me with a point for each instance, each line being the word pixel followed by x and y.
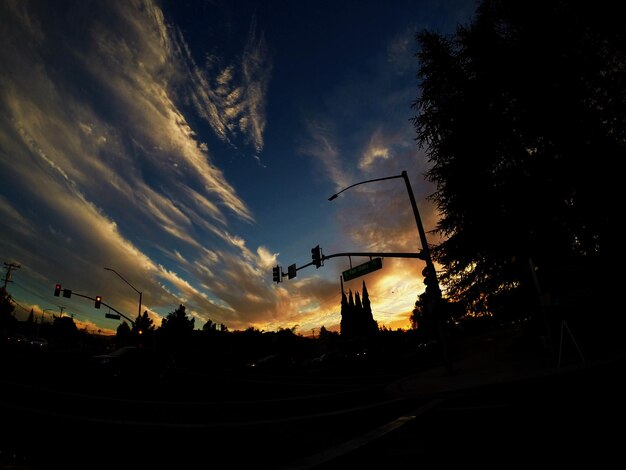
pixel 321 144
pixel 376 149
pixel 232 96
pixel 256 70
pixel 112 154
pixel 103 158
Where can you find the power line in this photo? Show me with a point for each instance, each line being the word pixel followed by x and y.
pixel 33 293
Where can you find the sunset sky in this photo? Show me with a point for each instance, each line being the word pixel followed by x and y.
pixel 191 146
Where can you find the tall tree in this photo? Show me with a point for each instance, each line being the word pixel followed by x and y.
pixel 175 336
pixel 177 324
pixel 208 326
pixel 522 115
pixel 7 318
pixel 421 319
pixel 371 325
pixel 30 326
pixel 64 330
pixel 123 334
pixel 358 306
pixel 144 325
pixel 347 317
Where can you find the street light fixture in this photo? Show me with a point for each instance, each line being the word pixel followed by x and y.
pixel 133 287
pixel 430 267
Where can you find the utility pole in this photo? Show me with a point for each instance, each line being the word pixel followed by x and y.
pixel 4 299
pixel 7 276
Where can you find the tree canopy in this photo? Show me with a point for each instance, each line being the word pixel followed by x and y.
pixel 177 325
pixel 522 116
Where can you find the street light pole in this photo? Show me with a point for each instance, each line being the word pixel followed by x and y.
pixel 133 287
pixel 425 254
pixel 418 220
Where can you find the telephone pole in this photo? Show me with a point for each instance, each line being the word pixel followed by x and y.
pixel 7 276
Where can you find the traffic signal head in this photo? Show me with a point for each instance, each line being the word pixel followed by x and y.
pixel 291 271
pixel 276 275
pixel 428 277
pixel 57 290
pixel 316 256
pixel 98 301
pixel 430 281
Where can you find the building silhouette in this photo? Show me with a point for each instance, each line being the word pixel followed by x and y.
pixel 357 319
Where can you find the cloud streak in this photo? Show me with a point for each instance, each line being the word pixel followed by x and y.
pixel 101 156
pixel 231 97
pixel 122 134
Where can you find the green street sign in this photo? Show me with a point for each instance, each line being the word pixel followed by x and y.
pixel 361 269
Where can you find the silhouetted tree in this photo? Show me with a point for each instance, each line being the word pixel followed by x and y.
pixel 357 308
pixel 371 325
pixel 208 326
pixel 30 323
pixel 357 302
pixel 143 329
pixel 422 321
pixel 64 331
pixel 176 331
pixel 8 321
pixel 327 340
pixel 523 118
pixel 177 323
pixel 347 317
pixel 284 340
pixel 123 334
pixel 212 326
pixel 327 335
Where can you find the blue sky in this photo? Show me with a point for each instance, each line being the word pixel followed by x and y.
pixel 191 146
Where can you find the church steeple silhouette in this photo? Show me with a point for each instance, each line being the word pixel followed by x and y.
pixel 356 314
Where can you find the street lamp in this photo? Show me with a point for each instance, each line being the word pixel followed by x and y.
pixel 133 287
pixel 430 268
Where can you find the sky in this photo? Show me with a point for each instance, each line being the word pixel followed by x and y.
pixel 190 146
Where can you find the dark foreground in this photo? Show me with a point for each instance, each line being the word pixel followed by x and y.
pixel 497 408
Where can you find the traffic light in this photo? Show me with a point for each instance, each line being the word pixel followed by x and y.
pixel 67 293
pixel 276 274
pixel 98 301
pixel 430 281
pixel 316 255
pixel 291 271
pixel 57 290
